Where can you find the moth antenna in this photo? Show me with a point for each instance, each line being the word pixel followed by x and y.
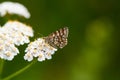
pixel 41 35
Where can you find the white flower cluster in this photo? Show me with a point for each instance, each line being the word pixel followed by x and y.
pixel 7 48
pixel 13 8
pixel 39 48
pixel 18 32
pixel 11 34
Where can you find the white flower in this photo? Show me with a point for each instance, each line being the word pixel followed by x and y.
pixel 39 48
pixel 13 8
pixel 8 55
pixel 18 32
pixel 41 57
pixel 48 56
pixel 28 57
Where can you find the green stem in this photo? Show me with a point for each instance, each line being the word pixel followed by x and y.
pixel 1 67
pixel 18 72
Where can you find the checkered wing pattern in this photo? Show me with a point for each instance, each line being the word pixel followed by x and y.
pixel 58 39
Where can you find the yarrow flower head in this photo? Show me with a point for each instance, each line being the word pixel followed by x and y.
pixel 18 32
pixel 11 34
pixel 40 49
pixel 13 8
pixel 7 48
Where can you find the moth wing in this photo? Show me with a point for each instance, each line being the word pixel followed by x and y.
pixel 58 39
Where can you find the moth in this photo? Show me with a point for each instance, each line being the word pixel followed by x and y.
pixel 58 39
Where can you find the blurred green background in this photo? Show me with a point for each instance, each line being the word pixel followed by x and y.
pixel 93 50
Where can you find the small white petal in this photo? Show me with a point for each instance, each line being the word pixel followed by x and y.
pixel 26 39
